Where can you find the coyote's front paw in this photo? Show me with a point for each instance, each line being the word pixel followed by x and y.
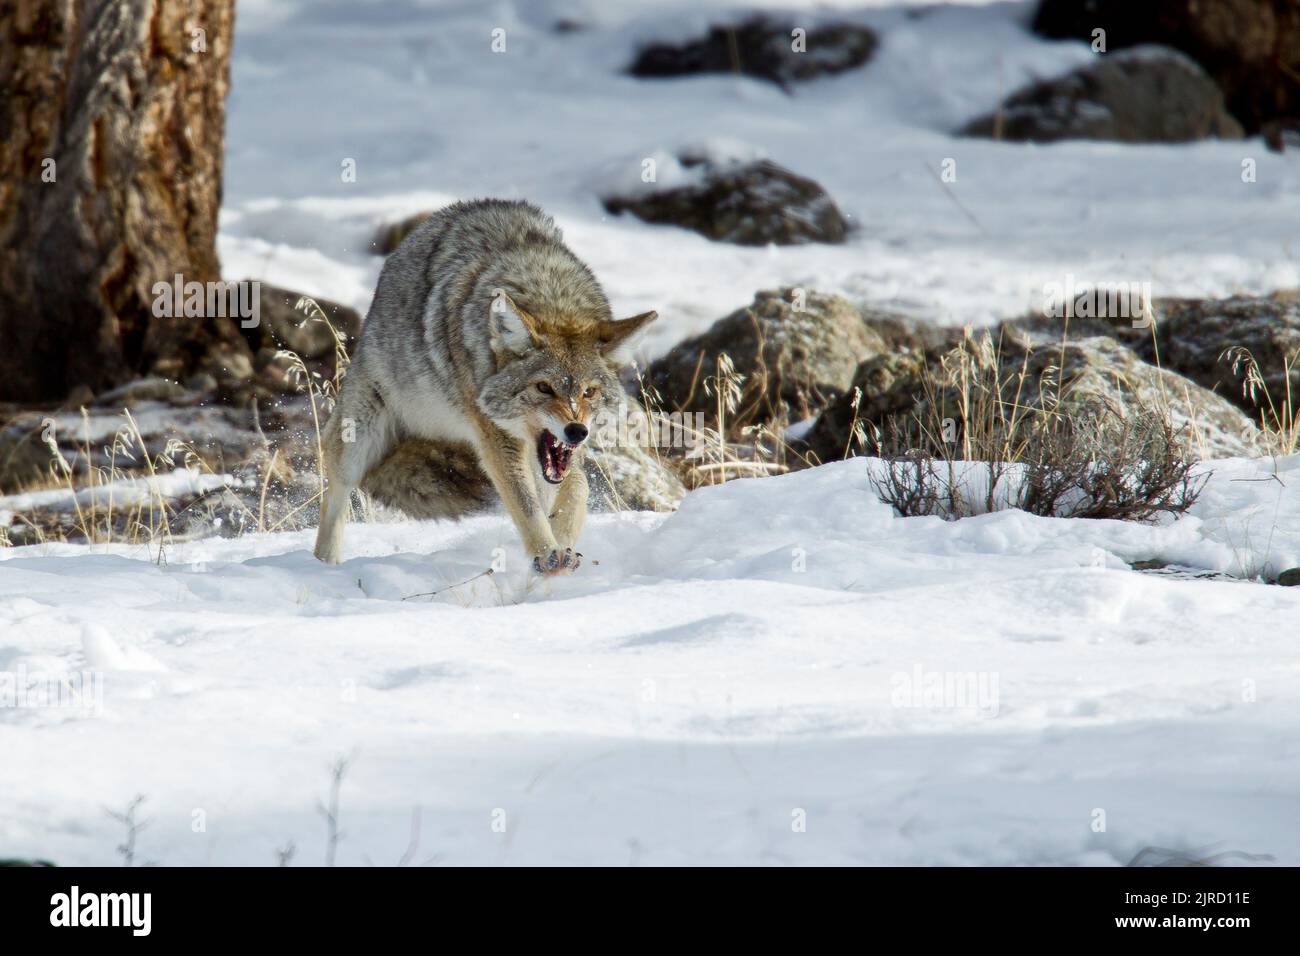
pixel 557 561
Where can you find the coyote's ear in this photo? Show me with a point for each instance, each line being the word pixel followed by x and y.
pixel 510 328
pixel 619 339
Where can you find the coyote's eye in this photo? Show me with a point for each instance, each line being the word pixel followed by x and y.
pixel 545 388
pixel 590 392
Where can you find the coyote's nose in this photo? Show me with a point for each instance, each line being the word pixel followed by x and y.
pixel 574 433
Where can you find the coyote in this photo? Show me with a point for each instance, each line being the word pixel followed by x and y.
pixel 488 334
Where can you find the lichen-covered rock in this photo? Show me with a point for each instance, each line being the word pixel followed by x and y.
pixel 883 385
pixel 143 390
pixel 631 478
pixel 1090 372
pixel 1193 337
pixel 1145 95
pixel 1194 334
pixel 750 203
pixel 764 48
pixel 1102 369
pixel 795 352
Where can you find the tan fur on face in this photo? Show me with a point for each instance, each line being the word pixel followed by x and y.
pixel 576 409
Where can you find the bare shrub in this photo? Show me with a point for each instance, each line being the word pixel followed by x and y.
pixel 976 445
pixel 1101 464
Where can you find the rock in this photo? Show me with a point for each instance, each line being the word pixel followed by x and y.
pixel 1093 370
pixel 276 372
pixel 902 333
pixel 217 513
pixel 1046 331
pixel 79 396
pixel 1249 47
pixel 283 325
pixel 882 386
pixel 762 48
pixel 1146 95
pixel 230 368
pixel 201 383
pixel 390 235
pixel 750 203
pixel 793 361
pixel 1289 578
pixel 1281 135
pixel 631 478
pixel 1193 335
pixel 1100 368
pixel 229 441
pixel 142 390
pixel 24 457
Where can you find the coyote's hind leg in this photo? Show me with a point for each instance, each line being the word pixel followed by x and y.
pixel 358 435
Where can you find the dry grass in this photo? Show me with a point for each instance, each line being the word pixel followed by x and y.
pixel 98 516
pixel 716 451
pixel 1279 429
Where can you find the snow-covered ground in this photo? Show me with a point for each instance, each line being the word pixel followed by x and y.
pixel 781 672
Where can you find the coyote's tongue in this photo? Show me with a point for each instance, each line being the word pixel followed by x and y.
pixel 554 457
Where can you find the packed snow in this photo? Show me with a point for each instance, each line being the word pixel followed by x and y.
pixel 783 671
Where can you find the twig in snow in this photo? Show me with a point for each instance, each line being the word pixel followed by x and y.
pixel 331 812
pixel 429 594
pixel 133 827
pixel 414 843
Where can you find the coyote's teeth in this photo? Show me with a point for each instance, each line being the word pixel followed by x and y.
pixel 554 457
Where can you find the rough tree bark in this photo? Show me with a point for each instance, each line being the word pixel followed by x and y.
pixel 127 99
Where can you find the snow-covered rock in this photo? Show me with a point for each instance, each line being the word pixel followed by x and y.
pixel 1143 95
pixel 794 349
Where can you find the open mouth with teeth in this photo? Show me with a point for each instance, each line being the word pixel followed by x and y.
pixel 554 456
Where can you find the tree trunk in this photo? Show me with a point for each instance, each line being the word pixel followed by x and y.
pixel 111 123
